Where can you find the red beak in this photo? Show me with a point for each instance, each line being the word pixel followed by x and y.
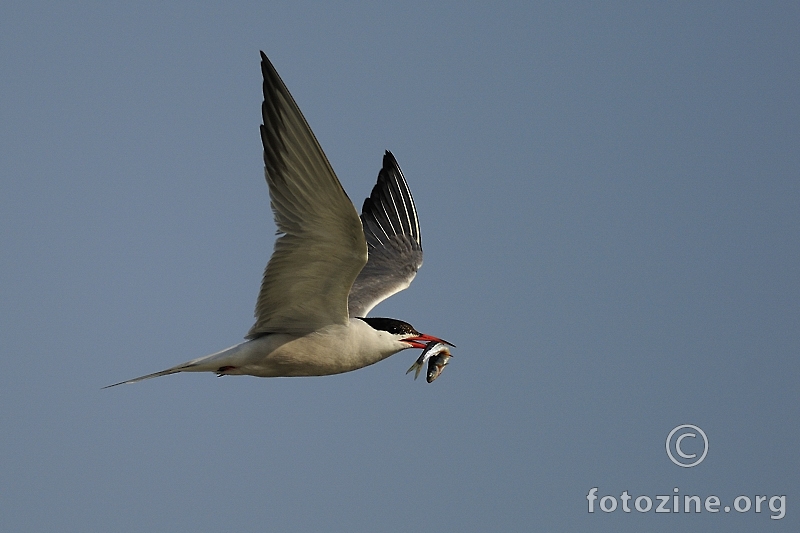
pixel 422 341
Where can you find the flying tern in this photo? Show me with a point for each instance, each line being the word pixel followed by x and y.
pixel 329 267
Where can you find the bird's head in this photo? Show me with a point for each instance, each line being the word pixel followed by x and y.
pixel 404 332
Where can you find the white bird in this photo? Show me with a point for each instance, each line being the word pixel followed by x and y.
pixel 329 267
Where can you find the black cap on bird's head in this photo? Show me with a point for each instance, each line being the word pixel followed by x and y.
pixel 397 327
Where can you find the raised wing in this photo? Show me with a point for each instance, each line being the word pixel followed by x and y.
pixel 323 248
pixel 391 228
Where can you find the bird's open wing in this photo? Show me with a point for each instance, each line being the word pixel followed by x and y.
pixel 322 249
pixel 391 228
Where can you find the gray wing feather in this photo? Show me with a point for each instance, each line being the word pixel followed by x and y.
pixel 391 228
pixel 322 247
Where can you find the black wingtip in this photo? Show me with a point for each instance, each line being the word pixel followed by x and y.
pixel 389 160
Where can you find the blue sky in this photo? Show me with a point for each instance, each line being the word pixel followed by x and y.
pixel 610 205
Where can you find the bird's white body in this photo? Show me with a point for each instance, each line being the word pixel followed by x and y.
pixel 331 350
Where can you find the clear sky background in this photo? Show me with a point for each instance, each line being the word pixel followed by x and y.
pixel 610 204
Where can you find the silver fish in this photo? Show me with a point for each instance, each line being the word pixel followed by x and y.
pixel 437 363
pixel 437 355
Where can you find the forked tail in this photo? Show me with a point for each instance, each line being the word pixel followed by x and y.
pixel 167 372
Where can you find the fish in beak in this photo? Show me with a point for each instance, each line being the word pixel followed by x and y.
pixel 437 356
